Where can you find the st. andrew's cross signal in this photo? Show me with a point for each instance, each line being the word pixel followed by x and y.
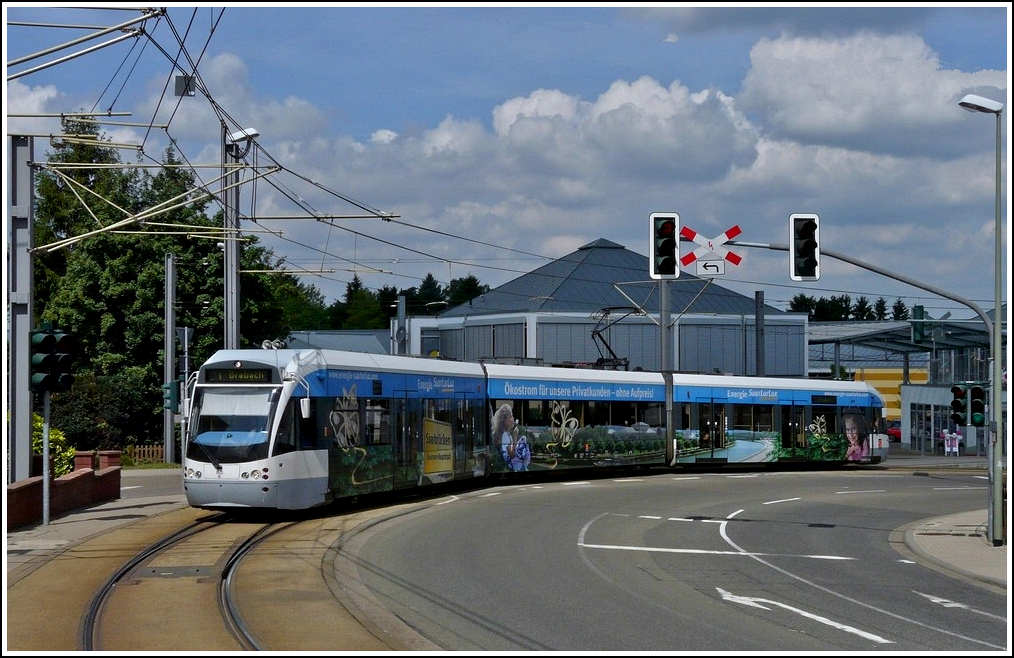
pixel 665 234
pixel 664 245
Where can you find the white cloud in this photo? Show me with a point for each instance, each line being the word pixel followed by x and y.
pixel 863 129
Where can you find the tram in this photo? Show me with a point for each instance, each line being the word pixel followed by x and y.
pixel 295 429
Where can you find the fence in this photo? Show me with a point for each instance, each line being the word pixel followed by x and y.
pixel 146 454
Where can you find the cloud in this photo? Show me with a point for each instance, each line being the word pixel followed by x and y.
pixel 859 124
pixel 864 91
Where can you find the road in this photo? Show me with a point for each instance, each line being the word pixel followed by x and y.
pixel 709 561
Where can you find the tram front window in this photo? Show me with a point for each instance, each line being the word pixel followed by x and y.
pixel 231 424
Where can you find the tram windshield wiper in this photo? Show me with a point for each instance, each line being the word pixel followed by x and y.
pixel 211 457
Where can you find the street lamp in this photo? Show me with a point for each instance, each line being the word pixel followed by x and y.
pixel 974 103
pixel 235 147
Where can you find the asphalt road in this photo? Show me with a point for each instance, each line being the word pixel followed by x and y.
pixel 731 561
pixel 144 482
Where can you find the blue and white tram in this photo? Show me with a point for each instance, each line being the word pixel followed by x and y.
pixel 585 418
pixel 723 419
pixel 293 429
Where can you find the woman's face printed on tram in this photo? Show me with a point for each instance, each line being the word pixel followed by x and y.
pixel 508 419
pixel 504 420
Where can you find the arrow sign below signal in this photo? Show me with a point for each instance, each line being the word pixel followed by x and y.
pixel 710 267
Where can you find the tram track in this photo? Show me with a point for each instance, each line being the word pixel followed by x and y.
pixel 197 561
pixel 190 580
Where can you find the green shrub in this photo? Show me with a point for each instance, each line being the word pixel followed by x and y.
pixel 61 453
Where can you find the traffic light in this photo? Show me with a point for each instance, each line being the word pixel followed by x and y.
pixel 665 245
pixel 64 349
pixel 171 395
pixel 42 341
pixel 918 326
pixel 959 404
pixel 52 358
pixel 804 247
pixel 977 404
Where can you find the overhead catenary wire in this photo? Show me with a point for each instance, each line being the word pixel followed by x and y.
pixel 187 63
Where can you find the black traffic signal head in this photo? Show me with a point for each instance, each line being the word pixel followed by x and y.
pixel 664 243
pixel 977 405
pixel 918 326
pixel 64 350
pixel 52 359
pixel 42 341
pixel 171 395
pixel 959 404
pixel 804 247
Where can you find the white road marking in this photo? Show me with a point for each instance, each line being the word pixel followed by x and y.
pixel 758 603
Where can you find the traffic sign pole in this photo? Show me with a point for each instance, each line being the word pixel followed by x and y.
pixel 995 517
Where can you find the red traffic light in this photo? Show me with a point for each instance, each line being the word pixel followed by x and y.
pixel 959 404
pixel 663 243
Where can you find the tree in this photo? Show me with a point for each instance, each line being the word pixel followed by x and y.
pixel 461 291
pixel 365 312
pixel 862 309
pixel 835 309
pixel 880 309
pixel 387 296
pixel 899 311
pixel 59 213
pixel 108 287
pixel 302 305
pixel 109 412
pixel 803 304
pixel 430 290
pixel 839 372
pixel 337 314
pixel 352 287
pixel 265 296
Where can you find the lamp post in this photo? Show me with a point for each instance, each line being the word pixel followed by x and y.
pixel 974 103
pixel 231 156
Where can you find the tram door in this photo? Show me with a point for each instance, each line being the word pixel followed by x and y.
pixel 408 442
pixel 794 428
pixel 711 428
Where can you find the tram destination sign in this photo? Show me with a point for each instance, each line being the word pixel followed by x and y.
pixel 234 376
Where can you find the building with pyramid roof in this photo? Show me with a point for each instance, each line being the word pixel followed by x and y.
pixel 596 307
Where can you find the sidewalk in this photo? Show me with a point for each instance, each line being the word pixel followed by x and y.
pixel 29 547
pixel 958 542
pixel 961 543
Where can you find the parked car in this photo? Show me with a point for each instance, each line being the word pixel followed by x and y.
pixel 894 430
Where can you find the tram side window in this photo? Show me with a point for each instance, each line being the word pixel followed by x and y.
pixel 597 413
pixel 377 425
pixel 533 413
pixel 342 424
pixel 825 421
pixel 306 428
pixel 285 438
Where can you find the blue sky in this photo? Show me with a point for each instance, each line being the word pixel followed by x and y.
pixel 505 136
